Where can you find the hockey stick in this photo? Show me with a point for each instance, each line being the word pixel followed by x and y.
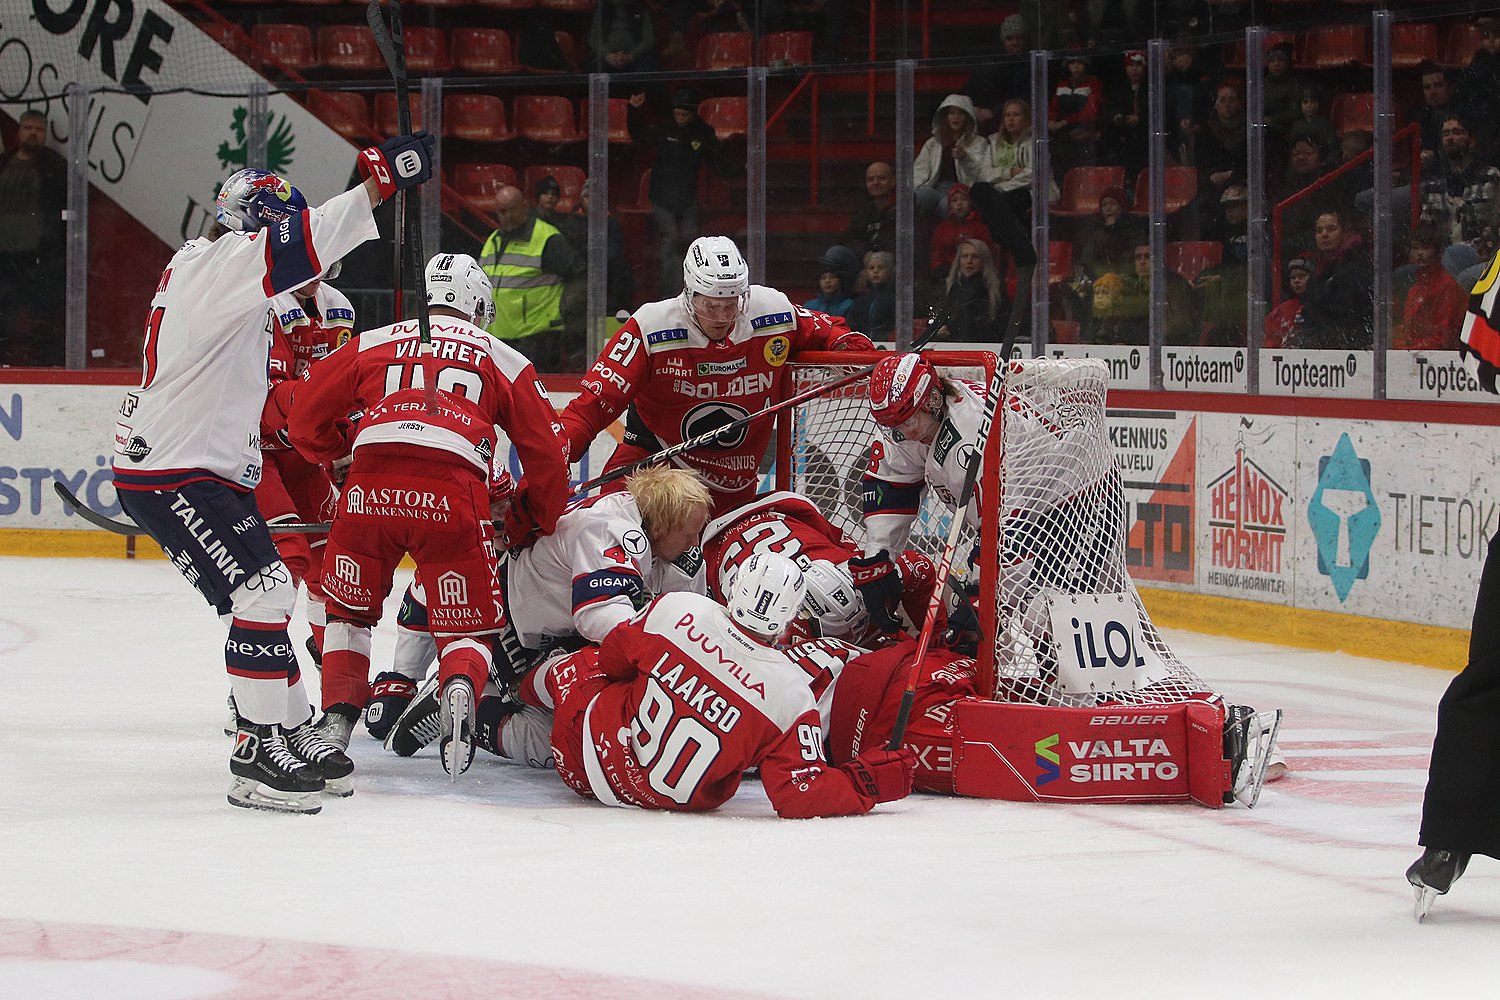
pixel 710 437
pixel 130 528
pixel 1019 309
pixel 388 39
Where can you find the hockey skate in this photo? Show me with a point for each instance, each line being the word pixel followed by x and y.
pixel 267 775
pixel 311 743
pixel 337 724
pixel 232 724
pixel 457 726
pixel 420 724
pixel 1249 739
pixel 1432 875
pixel 389 697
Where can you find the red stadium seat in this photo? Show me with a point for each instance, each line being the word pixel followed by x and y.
pixel 545 118
pixel 1353 111
pixel 619 112
pixel 349 47
pixel 570 179
pixel 1412 44
pixel 1192 259
pixel 792 47
pixel 508 4
pixel 1235 59
pixel 386 120
pixel 480 181
pixel 484 51
pixel 475 117
pixel 1460 42
pixel 1334 47
pixel 569 49
pixel 642 203
pixel 1059 261
pixel 570 6
pixel 426 50
pixel 725 50
pixel 288 45
pixel 1065 331
pixel 727 115
pixel 1182 188
pixel 344 112
pixel 1081 188
pixel 230 36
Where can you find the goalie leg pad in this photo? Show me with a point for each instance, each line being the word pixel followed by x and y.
pixel 1035 753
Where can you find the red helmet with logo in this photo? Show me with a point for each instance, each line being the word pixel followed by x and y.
pixel 899 387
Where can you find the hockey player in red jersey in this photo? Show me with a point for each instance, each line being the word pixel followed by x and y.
pixel 307 324
pixel 684 366
pixel 187 452
pixel 418 483
pixel 680 701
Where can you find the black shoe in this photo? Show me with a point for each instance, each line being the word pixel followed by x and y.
pixel 267 775
pixel 309 743
pixel 1433 874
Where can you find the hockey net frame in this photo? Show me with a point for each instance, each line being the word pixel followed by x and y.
pixel 1033 550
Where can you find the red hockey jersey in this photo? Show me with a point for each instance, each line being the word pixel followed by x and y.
pixel 688 704
pixel 782 522
pixel 300 336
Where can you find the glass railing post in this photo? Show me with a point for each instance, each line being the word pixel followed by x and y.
pixel 1041 204
pixel 906 247
pixel 76 301
pixel 1255 174
pixel 1382 227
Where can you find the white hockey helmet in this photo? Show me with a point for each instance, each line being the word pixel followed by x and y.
pixel 832 601
pixel 766 594
pixel 456 281
pixel 251 199
pixel 714 268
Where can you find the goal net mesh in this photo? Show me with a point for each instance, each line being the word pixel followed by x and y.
pixel 1058 511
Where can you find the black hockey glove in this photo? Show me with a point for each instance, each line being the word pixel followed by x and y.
pixel 962 632
pixel 399 163
pixel 879 587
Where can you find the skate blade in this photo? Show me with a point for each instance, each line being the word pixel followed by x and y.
pixel 249 794
pixel 1425 895
pixel 339 788
pixel 458 746
pixel 1268 724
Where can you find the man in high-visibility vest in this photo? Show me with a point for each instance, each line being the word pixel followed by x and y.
pixel 528 261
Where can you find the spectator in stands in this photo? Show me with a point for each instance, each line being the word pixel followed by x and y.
pixel 954 154
pixel 962 223
pixel 1219 143
pixel 1012 147
pixel 1314 124
pixel 1460 199
pixel 685 146
pixel 1437 106
pixel 1435 305
pixel 622 38
pixel 1283 321
pixel 1189 96
pixel 1182 318
pixel 973 298
pixel 529 262
pixel 1127 117
pixel 1225 287
pixel 872 227
pixel 545 194
pixel 874 310
pixel 1228 224
pixel 1480 87
pixel 1282 94
pixel 1112 319
pixel 837 275
pixel 1338 308
pixel 1304 167
pixel 1073 116
pixel 1115 234
pixel 537 47
pixel 619 279
pixel 33 236
pixel 993 85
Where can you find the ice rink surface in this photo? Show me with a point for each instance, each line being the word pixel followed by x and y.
pixel 125 875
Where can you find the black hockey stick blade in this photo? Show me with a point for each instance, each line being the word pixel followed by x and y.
pixel 98 520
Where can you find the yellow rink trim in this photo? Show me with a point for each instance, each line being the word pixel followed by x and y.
pixel 87 543
pixel 1375 638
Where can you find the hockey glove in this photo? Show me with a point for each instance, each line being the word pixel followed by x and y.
pixel 962 634
pixel 388 699
pixel 851 341
pixel 399 163
pixel 883 775
pixel 879 587
pixel 520 526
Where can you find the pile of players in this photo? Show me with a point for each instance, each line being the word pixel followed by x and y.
pixel 652 642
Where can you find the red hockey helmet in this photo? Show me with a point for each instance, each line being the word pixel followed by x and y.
pixel 899 387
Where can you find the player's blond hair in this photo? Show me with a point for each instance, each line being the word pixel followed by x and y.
pixel 667 496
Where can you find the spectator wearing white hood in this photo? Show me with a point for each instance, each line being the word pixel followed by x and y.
pixel 956 154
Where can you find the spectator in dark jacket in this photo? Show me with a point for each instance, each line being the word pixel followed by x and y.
pixel 622 38
pixel 1338 309
pixel 1107 249
pixel 874 310
pixel 1127 117
pixel 33 195
pixel 872 227
pixel 685 146
pixel 973 304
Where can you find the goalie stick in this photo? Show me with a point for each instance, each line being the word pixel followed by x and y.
pixel 393 50
pixel 1019 310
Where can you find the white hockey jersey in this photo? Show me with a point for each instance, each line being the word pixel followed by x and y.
pixel 593 572
pixel 207 344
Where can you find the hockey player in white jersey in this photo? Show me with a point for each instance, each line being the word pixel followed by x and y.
pixel 187 445
pixel 608 556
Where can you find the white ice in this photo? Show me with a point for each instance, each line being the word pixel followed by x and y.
pixel 125 874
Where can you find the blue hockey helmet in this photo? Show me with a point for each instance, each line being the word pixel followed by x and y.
pixel 251 199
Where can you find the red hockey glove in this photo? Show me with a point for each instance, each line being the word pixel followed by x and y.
pixel 880 587
pixel 399 163
pixel 520 527
pixel 883 775
pixel 853 340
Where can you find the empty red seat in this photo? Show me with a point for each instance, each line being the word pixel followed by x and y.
pixel 1059 261
pixel 1081 188
pixel 1182 187
pixel 642 203
pixel 476 117
pixel 1460 42
pixel 727 115
pixel 350 47
pixel 794 48
pixel 483 51
pixel 545 118
pixel 1065 331
pixel 386 120
pixel 480 181
pixel 230 36
pixel 1353 111
pixel 569 179
pixel 619 113
pixel 725 50
pixel 1412 44
pixel 1191 259
pixel 344 112
pixel 1336 46
pixel 289 46
pixel 426 50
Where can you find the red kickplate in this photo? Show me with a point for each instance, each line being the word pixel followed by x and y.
pixel 1034 753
